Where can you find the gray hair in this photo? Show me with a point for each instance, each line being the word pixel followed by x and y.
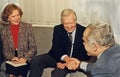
pixel 67 12
pixel 101 33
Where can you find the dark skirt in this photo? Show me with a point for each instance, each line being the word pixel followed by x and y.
pixel 22 70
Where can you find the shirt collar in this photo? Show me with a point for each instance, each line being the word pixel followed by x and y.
pixel 99 55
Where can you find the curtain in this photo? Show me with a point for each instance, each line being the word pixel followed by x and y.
pixel 47 12
pixel 114 15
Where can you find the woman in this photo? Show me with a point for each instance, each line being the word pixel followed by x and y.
pixel 18 41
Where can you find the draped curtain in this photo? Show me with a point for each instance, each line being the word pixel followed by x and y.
pixel 47 12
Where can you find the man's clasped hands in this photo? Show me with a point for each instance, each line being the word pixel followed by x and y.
pixel 70 63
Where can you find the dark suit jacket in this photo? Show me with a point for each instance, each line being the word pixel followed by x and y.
pixel 60 43
pixel 108 65
pixel 26 42
pixel 1 54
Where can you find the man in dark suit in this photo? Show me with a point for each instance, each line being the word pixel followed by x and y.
pixel 63 48
pixel 99 41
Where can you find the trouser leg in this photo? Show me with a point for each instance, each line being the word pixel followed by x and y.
pixel 73 73
pixel 39 63
pixel 59 72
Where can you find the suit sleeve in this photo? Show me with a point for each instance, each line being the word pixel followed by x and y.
pixel 98 71
pixel 1 53
pixel 6 53
pixel 58 49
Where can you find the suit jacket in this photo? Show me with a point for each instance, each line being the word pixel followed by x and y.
pixel 1 46
pixel 107 65
pixel 26 42
pixel 60 43
pixel 1 54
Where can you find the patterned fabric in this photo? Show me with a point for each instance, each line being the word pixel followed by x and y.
pixel 26 42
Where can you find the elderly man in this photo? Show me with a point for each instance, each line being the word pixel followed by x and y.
pixel 67 43
pixel 99 41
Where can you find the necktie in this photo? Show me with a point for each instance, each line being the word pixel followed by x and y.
pixel 70 38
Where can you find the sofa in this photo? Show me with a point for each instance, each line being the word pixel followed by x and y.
pixel 43 37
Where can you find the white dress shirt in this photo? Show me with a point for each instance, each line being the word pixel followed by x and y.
pixel 73 37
